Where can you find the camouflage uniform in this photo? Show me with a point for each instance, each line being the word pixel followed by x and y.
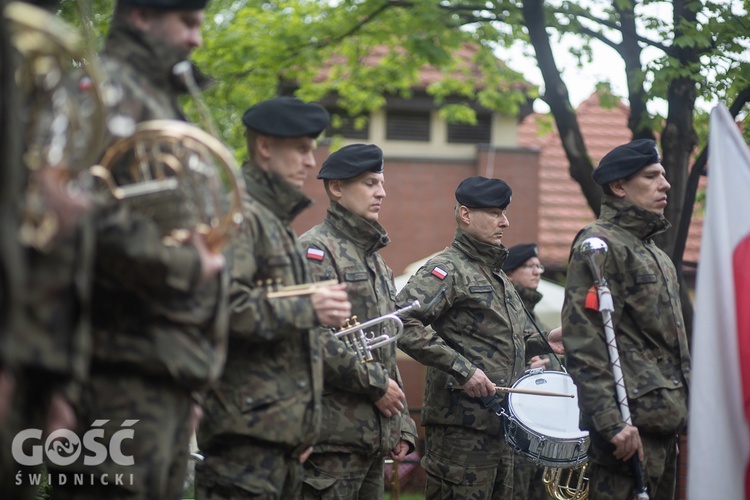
pixel 265 410
pixel 347 461
pixel 478 322
pixel 158 332
pixel 652 346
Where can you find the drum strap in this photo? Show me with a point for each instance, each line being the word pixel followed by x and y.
pixel 493 404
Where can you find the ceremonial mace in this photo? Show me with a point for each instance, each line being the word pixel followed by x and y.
pixel 595 251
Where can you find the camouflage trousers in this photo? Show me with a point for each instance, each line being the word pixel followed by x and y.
pixel 465 463
pixel 527 479
pixel 239 468
pixel 28 411
pixel 611 479
pixel 158 412
pixel 333 476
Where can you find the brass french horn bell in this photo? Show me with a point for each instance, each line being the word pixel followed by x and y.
pixel 179 176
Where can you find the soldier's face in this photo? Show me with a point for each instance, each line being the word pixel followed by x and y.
pixel 647 188
pixel 291 159
pixel 180 28
pixel 487 224
pixel 527 275
pixel 362 195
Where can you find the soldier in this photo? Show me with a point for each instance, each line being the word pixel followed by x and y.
pixel 157 310
pixel 649 327
pixel 524 269
pixel 263 416
pixel 10 255
pixel 365 416
pixel 45 322
pixel 477 344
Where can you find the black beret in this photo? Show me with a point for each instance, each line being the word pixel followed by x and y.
pixel 481 192
pixel 625 160
pixel 351 161
pixel 518 254
pixel 286 117
pixel 167 4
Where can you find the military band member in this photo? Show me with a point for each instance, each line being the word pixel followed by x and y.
pixel 263 416
pixel 365 417
pixel 477 342
pixel 46 337
pixel 648 324
pixel 157 310
pixel 524 269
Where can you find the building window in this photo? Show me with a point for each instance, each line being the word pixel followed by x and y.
pixel 463 133
pixel 407 126
pixel 346 126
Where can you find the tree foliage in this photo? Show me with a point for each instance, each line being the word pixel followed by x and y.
pixel 677 53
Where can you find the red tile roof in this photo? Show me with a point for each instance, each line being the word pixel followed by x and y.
pixel 564 211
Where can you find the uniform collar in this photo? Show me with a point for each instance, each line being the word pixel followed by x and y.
pixel 642 223
pixel 369 236
pixel 529 296
pixel 484 253
pixel 273 192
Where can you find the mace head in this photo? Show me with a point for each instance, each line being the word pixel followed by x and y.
pixel 595 252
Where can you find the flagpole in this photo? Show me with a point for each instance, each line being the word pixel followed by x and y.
pixel 595 250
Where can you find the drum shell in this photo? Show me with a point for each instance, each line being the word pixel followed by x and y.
pixel 546 449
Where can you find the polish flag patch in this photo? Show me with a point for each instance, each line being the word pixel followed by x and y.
pixel 440 273
pixel 315 253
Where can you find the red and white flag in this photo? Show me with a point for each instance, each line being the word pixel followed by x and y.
pixel 719 419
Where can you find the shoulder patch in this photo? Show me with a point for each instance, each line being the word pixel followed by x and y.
pixel 439 273
pixel 315 253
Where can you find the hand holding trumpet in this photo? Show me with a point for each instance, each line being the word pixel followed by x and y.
pixel 331 304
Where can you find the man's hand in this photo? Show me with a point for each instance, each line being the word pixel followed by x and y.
pixel 627 442
pixel 537 362
pixel 331 304
pixel 391 403
pixel 399 452
pixel 211 263
pixel 479 385
pixel 555 340
pixel 60 414
pixel 305 455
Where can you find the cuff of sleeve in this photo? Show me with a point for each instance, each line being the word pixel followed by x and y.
pixel 379 380
pixel 608 423
pixel 183 268
pixel 462 369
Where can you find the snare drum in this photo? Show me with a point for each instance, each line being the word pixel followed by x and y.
pixel 545 428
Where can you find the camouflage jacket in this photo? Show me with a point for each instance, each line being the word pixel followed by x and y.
pixel 272 383
pixel 530 299
pixel 350 422
pixel 647 321
pixel 477 322
pixel 150 312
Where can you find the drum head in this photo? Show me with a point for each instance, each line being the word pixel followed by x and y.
pixel 554 417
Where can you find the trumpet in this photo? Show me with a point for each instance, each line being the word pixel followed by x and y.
pixel 363 343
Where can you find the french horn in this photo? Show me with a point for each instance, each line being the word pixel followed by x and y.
pixel 64 112
pixel 177 175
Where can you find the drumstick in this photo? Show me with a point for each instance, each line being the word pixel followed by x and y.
pixel 297 290
pixel 535 393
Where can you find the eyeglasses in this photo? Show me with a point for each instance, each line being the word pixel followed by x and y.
pixel 539 267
